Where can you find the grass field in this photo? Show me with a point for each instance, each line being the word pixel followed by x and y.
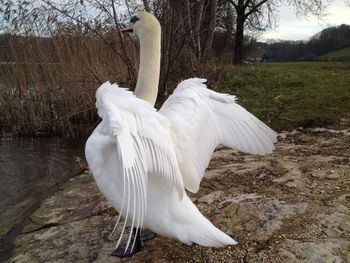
pixel 343 54
pixel 289 95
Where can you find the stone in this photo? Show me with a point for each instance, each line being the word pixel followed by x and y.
pixel 333 175
pixel 210 198
pixel 243 197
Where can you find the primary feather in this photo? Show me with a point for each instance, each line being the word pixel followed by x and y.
pixel 202 119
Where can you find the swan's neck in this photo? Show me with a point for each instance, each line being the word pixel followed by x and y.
pixel 148 77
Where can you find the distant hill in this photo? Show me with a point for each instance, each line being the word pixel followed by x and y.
pixel 332 43
pixel 340 54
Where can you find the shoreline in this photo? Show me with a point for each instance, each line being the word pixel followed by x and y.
pixel 291 206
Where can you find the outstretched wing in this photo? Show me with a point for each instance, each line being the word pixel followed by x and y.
pixel 202 119
pixel 144 145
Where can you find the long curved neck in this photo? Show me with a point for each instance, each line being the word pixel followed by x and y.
pixel 148 77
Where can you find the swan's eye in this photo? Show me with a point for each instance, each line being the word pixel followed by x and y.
pixel 134 19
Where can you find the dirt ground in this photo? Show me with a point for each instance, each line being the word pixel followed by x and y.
pixel 291 206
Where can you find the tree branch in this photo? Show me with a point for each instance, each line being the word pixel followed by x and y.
pixel 254 8
pixel 126 57
pixel 234 4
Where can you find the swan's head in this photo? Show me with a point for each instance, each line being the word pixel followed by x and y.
pixel 143 24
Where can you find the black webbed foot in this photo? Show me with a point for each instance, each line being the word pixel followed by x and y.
pixel 147 234
pixel 120 250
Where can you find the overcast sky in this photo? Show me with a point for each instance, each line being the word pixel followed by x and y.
pixel 292 27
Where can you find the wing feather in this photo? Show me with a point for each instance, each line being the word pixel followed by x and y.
pixel 145 148
pixel 202 119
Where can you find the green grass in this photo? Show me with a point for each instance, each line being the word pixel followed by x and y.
pixel 343 54
pixel 289 95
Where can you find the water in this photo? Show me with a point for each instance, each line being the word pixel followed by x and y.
pixel 31 169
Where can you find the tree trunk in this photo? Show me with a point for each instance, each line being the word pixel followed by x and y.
pixel 240 20
pixel 210 36
pixel 188 24
pixel 198 22
pixel 238 52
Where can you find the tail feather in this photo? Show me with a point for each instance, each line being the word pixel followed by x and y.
pixel 206 234
pixel 199 229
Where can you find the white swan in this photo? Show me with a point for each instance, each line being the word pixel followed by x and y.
pixel 143 160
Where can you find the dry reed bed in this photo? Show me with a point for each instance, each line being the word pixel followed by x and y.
pixel 47 85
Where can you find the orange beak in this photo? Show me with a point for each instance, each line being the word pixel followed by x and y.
pixel 129 28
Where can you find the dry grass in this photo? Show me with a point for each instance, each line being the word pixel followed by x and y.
pixel 47 85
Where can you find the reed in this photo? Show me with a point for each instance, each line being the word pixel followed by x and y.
pixel 47 85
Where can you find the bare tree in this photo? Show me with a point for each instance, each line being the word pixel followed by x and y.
pixel 248 11
pixel 260 14
pixel 199 22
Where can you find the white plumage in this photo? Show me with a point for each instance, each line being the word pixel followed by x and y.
pixel 143 160
pixel 202 119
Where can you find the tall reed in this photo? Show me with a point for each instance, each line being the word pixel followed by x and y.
pixel 47 85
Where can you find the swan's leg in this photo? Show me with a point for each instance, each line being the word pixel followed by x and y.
pixel 120 250
pixel 147 234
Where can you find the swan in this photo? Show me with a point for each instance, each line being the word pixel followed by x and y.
pixel 143 159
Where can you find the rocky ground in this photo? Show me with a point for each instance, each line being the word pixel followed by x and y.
pixel 291 206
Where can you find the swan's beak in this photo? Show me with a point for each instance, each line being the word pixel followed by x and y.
pixel 129 28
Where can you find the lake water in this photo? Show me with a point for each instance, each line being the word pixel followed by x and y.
pixel 31 169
